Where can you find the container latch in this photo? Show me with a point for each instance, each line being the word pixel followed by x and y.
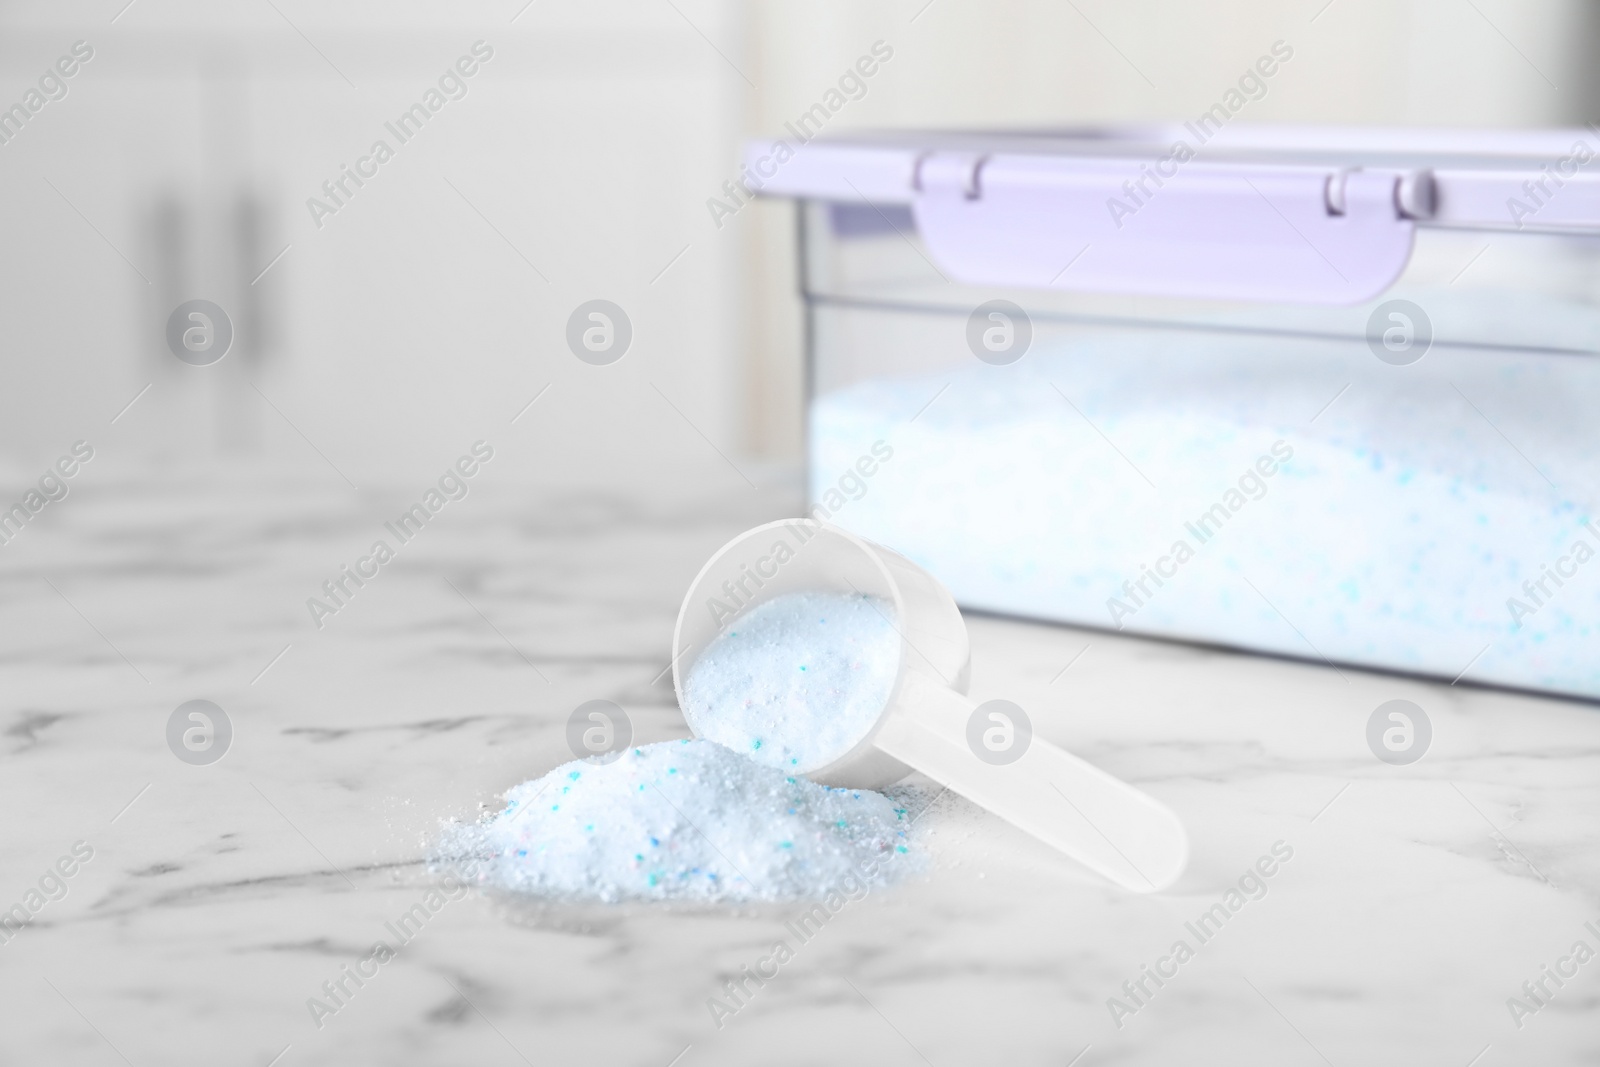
pixel 1199 229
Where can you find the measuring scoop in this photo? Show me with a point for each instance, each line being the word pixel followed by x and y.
pixel 928 723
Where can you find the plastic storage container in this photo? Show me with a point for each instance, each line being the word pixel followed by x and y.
pixel 1320 393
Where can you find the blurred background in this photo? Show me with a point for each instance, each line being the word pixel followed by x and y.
pixel 431 307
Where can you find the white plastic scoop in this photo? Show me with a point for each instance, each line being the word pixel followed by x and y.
pixel 1103 823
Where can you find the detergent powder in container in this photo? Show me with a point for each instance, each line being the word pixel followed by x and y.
pixel 1323 393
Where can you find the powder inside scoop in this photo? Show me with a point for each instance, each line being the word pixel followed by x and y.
pixel 797 681
pixel 683 820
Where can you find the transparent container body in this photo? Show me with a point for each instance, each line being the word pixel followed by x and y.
pixel 1268 477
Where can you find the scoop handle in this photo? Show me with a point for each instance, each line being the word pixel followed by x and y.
pixel 1102 822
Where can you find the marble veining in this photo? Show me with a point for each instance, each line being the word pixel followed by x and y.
pixel 220 899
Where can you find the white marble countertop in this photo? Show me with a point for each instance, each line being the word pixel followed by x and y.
pixel 219 898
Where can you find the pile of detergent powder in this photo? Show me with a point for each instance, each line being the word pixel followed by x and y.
pixel 790 686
